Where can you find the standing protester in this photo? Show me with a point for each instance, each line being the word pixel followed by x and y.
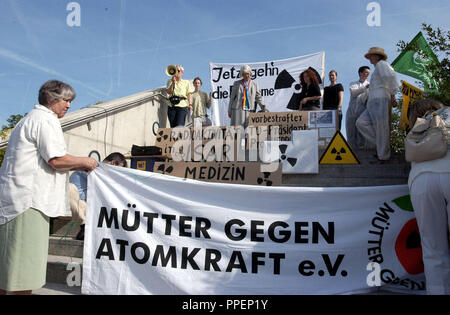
pixel 310 95
pixel 179 98
pixel 359 91
pixel 245 94
pixel 333 96
pixel 429 184
pixel 78 191
pixel 374 122
pixel 200 102
pixel 33 187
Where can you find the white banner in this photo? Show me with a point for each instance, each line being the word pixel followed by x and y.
pixel 149 233
pixel 299 156
pixel 278 81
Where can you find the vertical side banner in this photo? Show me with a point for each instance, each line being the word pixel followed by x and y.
pixel 410 95
pixel 151 233
pixel 278 81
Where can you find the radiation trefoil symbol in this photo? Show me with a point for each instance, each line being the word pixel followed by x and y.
pixel 283 157
pixel 162 136
pixel 338 153
pixel 265 180
pixel 286 81
pixel 162 168
pixel 334 155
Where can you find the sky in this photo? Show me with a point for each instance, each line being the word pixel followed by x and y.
pixel 108 49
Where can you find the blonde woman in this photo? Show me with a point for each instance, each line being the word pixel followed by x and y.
pixel 179 98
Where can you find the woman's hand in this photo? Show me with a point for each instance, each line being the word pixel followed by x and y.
pixel 73 163
pixel 90 164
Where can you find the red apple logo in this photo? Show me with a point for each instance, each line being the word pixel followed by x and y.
pixel 409 249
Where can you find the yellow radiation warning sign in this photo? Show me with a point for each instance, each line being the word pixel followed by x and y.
pixel 338 152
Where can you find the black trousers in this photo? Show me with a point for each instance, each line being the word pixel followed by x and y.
pixel 177 116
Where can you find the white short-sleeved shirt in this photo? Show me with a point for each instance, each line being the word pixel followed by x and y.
pixel 383 82
pixel 26 178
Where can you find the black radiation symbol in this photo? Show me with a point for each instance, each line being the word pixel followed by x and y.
pixel 161 136
pixel 338 153
pixel 265 179
pixel 163 169
pixel 291 161
pixel 286 81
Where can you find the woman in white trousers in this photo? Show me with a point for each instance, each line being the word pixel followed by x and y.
pixel 429 184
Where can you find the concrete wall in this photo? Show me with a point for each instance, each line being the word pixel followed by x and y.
pixel 116 125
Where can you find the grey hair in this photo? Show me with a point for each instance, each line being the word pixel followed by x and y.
pixel 53 91
pixel 245 69
pixel 180 66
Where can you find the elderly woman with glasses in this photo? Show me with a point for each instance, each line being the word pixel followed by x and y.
pixel 179 98
pixel 245 94
pixel 33 188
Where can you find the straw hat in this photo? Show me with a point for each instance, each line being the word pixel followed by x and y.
pixel 376 51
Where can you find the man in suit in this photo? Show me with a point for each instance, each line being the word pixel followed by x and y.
pixel 245 94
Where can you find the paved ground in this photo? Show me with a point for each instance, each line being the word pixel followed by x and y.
pixel 57 289
pixel 62 289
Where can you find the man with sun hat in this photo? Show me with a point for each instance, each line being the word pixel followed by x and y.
pixel 374 122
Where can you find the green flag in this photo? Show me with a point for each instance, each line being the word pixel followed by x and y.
pixel 415 60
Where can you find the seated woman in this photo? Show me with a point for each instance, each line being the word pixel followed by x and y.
pixel 310 95
pixel 333 95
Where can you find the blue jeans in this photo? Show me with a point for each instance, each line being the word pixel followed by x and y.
pixel 177 116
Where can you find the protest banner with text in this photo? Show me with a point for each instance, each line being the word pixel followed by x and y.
pixel 278 81
pixel 150 233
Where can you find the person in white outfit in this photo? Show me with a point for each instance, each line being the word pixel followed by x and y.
pixel 374 122
pixel 33 189
pixel 429 184
pixel 358 97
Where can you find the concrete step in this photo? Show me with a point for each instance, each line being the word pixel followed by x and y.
pixel 64 227
pixel 395 172
pixel 352 176
pixel 60 267
pixel 65 255
pixel 65 246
